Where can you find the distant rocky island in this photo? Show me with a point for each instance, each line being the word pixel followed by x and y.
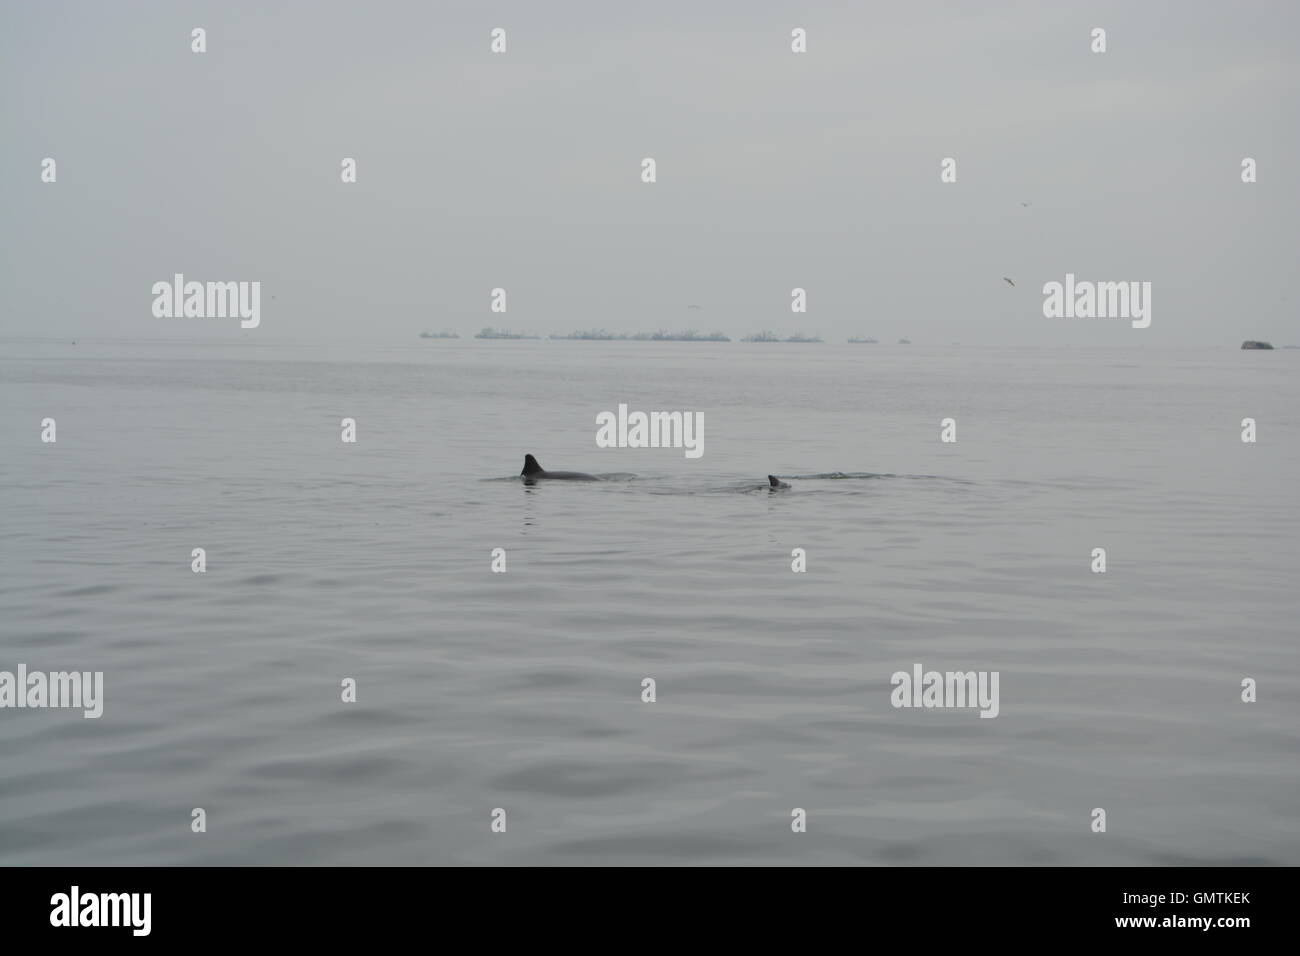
pixel 686 335
pixel 768 336
pixel 491 333
pixel 661 335
pixel 1252 344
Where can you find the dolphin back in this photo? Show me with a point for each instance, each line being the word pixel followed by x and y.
pixel 533 469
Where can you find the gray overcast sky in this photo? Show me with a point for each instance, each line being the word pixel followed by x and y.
pixel 775 170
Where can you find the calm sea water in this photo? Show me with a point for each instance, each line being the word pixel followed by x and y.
pixel 523 690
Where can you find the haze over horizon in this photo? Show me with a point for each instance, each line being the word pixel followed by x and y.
pixel 775 170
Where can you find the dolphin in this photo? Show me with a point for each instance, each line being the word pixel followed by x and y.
pixel 532 471
pixel 775 483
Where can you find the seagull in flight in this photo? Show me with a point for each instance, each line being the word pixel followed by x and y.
pixel 1008 282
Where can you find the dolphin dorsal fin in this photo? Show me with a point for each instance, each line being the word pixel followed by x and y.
pixel 530 466
pixel 773 481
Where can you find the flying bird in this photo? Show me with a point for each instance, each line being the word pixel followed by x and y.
pixel 1008 282
pixel 1026 204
